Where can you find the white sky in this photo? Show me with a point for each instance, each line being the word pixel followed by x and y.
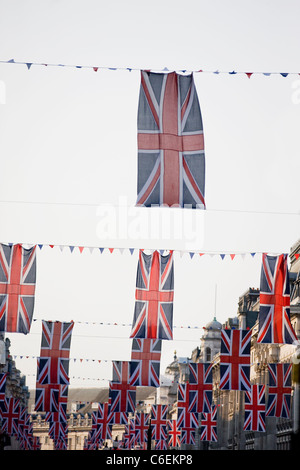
pixel 68 151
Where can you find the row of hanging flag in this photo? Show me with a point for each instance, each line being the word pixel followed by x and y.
pixel 195 406
pixel 129 69
pixel 154 296
pixel 122 250
pixel 15 419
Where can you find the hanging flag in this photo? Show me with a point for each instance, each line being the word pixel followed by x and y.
pixel 153 314
pixel 280 390
pixel 174 434
pixel 2 388
pixel 274 310
pixel 171 161
pixel 208 428
pixel 103 419
pixel 145 362
pixel 255 409
pixel 141 426
pixel 122 395
pixel 10 415
pixel 200 387
pixel 54 355
pixel 161 445
pixel 185 418
pixel 159 422
pixel 17 287
pixel 235 360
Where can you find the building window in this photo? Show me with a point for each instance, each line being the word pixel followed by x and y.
pixel 208 355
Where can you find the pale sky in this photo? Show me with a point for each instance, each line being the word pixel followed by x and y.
pixel 69 158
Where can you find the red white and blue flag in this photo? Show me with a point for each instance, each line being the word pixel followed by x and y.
pixel 280 390
pixel 17 287
pixel 10 416
pixel 174 434
pixel 208 428
pixel 153 314
pixel 185 418
pixel 274 310
pixel 141 427
pixel 2 388
pixel 122 395
pixel 159 422
pixel 235 360
pixel 171 161
pixel 54 355
pixel 103 420
pixel 200 387
pixel 145 362
pixel 255 409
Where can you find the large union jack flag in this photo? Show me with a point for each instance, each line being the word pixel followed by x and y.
pixel 200 387
pixel 159 422
pixel 10 415
pixel 208 428
pixel 17 287
pixel 255 409
pixel 141 427
pixel 235 360
pixel 153 314
pixel 280 390
pixel 122 395
pixel 171 161
pixel 54 355
pixel 145 362
pixel 274 310
pixel 185 418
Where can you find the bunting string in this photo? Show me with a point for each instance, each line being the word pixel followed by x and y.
pixel 226 254
pixel 130 69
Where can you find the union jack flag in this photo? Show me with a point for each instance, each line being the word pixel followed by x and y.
pixel 141 427
pixel 10 415
pixel 174 433
pixel 235 360
pixel 54 355
pixel 103 419
pixel 255 409
pixel 17 287
pixel 22 434
pixel 153 314
pixel 2 389
pixel 208 429
pixel 35 443
pixel 171 162
pixel 200 387
pixel 280 390
pixel 274 310
pixel 185 418
pixel 145 362
pixel 122 395
pixel 129 436
pixel 159 422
